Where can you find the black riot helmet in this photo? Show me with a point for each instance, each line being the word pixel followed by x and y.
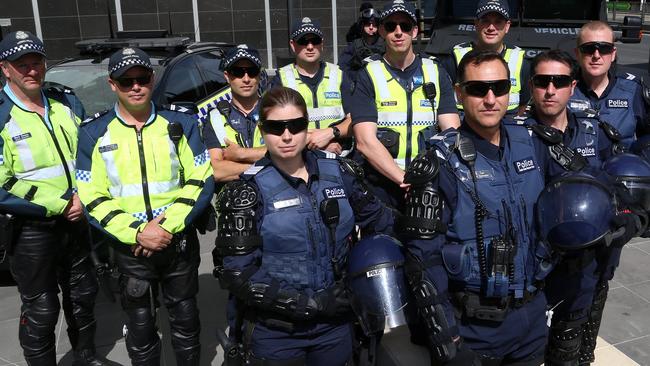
pixel 377 283
pixel 576 211
pixel 633 172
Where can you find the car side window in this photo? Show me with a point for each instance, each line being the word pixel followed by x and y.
pixel 184 82
pixel 210 65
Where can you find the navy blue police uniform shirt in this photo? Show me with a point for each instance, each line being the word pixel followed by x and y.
pixel 244 124
pixel 359 97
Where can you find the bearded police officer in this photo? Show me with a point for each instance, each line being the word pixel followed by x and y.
pixel 231 136
pixel 39 207
pixel 492 24
pixel 397 103
pixel 144 176
pixel 319 83
pixel 618 98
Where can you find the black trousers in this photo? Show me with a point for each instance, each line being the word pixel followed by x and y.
pixel 48 255
pixel 176 272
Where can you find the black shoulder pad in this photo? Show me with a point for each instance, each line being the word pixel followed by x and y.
pixel 548 134
pixel 177 108
pixel 422 169
pixel 94 116
pixel 352 167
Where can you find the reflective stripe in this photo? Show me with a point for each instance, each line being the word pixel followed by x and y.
pixel 391 118
pixel 290 79
pixel 109 160
pixel 130 190
pixel 334 79
pixel 142 216
pixel 422 118
pixel 322 113
pixel 45 173
pixel 401 163
pixel 430 70
pixel 460 51
pixel 378 78
pixel 22 148
pixel 173 157
pixel 513 59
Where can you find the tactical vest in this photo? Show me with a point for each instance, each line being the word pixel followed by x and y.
pixel 295 241
pixel 616 108
pixel 252 137
pixel 514 182
pixel 515 59
pixel 323 107
pixel 409 114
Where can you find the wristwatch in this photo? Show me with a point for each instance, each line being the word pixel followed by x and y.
pixel 336 132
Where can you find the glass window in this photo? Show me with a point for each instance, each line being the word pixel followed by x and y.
pixel 210 65
pixel 183 82
pixel 89 83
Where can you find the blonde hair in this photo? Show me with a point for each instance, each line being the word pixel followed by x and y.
pixel 593 26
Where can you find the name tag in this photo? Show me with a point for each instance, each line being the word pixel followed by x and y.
pixel 390 103
pixel 332 95
pixel 375 272
pixel 107 148
pixel 524 165
pixel 425 103
pixel 24 136
pixel 286 203
pixel 578 105
pixel 617 103
pixel 335 192
pixel 587 151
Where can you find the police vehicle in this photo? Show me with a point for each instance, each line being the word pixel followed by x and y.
pixel 186 72
pixel 536 25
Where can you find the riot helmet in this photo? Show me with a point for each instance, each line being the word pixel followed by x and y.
pixel 377 283
pixel 575 211
pixel 633 172
pixel 641 147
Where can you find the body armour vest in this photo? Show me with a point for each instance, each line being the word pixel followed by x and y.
pixel 296 244
pixel 615 109
pixel 407 113
pixel 508 190
pixel 246 136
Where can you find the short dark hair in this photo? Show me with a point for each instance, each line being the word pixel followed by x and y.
pixel 476 58
pixel 280 96
pixel 554 55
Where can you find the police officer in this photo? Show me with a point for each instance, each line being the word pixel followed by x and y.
pixel 393 114
pixel 492 24
pixel 144 177
pixel 616 97
pixel 232 137
pixel 319 83
pixel 571 286
pixel 38 206
pixel 477 254
pixel 284 232
pixel 358 52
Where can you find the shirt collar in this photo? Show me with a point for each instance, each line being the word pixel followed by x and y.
pixel 152 116
pixel 14 99
pixel 483 146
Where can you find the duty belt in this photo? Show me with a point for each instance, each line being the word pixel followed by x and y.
pixel 473 305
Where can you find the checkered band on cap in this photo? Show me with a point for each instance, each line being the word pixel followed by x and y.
pixel 306 29
pixel 492 7
pixel 242 53
pixel 22 47
pixel 398 7
pixel 130 62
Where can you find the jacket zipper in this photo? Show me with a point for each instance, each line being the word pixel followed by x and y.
pixel 59 151
pixel 143 172
pixel 409 128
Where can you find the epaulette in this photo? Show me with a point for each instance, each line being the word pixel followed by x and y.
pixel 94 116
pixel 58 88
pixel 323 154
pixel 445 142
pixel 518 120
pixel 255 168
pixel 177 108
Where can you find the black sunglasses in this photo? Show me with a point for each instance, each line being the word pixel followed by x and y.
pixel 277 127
pixel 559 81
pixel 478 88
pixel 128 82
pixel 604 48
pixel 239 72
pixel 404 26
pixel 307 40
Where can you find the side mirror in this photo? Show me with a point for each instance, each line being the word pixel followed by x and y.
pixel 631 29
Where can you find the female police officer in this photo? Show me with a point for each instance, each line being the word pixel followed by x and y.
pixel 284 231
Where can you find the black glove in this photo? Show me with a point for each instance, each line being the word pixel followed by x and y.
pixel 627 225
pixel 333 301
pixel 464 357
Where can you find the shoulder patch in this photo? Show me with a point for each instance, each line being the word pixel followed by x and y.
pixel 177 108
pixel 94 116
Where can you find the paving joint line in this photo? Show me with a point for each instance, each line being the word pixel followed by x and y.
pixel 630 340
pixel 8 362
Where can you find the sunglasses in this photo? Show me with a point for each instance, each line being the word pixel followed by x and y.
pixel 559 81
pixel 313 40
pixel 128 82
pixel 404 26
pixel 604 48
pixel 277 127
pixel 239 72
pixel 477 88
